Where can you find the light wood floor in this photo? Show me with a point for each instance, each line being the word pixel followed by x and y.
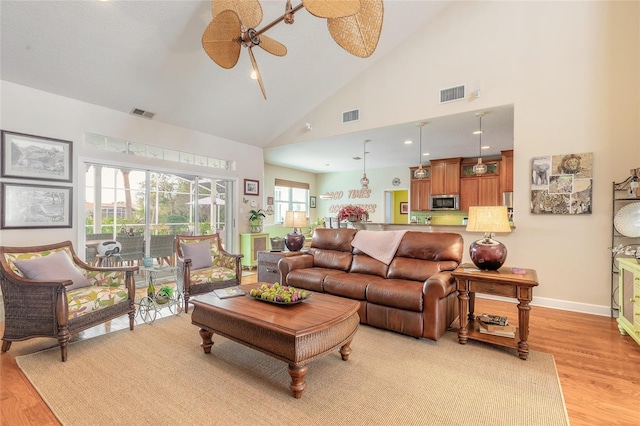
pixel 599 369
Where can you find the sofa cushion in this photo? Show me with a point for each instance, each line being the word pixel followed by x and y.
pixel 332 259
pixel 364 264
pixel 351 285
pixel 310 278
pixel 199 253
pixel 56 266
pixel 436 246
pixel 412 269
pixel 401 294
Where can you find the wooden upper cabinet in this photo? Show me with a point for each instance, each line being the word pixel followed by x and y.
pixel 480 190
pixel 445 176
pixel 506 175
pixel 420 191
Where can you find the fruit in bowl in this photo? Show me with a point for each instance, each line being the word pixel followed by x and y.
pixel 277 293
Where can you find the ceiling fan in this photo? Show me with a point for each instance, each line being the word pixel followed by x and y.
pixel 354 24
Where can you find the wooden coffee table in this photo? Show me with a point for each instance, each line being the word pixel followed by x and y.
pixel 296 334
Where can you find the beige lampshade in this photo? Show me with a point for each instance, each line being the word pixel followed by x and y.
pixel 295 219
pixel 488 219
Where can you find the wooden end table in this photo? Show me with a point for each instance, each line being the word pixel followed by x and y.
pixel 503 282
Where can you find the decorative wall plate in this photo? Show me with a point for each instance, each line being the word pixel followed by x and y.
pixel 395 182
pixel 627 220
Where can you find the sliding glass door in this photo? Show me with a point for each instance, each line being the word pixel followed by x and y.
pixel 121 201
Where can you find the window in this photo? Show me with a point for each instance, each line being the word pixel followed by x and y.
pixel 290 195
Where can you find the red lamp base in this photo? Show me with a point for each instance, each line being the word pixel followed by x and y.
pixel 488 254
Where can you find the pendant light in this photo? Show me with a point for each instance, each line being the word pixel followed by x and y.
pixel 480 169
pixel 365 180
pixel 420 173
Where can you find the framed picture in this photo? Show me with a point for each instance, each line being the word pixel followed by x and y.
pixel 269 201
pixel 35 206
pixel 312 202
pixel 36 157
pixel 404 208
pixel 251 187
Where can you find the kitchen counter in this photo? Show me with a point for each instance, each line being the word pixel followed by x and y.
pixel 371 226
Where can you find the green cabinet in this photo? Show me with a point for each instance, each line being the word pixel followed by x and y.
pixel 629 298
pixel 250 245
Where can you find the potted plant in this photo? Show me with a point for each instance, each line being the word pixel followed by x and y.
pixel 164 295
pixel 255 220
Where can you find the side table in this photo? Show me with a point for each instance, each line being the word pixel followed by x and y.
pixel 503 282
pixel 268 265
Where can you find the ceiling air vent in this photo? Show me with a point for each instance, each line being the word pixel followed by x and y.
pixel 142 113
pixel 451 94
pixel 349 116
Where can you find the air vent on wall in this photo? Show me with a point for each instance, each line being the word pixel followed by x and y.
pixel 451 94
pixel 349 116
pixel 142 113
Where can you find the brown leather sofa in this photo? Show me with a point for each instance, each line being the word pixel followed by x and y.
pixel 415 294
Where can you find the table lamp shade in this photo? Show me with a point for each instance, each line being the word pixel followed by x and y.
pixel 487 253
pixel 293 219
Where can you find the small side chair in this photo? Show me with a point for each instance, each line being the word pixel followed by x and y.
pixel 50 292
pixel 204 265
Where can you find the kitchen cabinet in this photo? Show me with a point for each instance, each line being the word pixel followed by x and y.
pixel 445 176
pixel 420 190
pixel 506 174
pixel 480 190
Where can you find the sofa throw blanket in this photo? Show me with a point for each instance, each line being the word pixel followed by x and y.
pixel 381 245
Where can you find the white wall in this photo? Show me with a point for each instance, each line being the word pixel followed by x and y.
pixel 571 71
pixel 31 111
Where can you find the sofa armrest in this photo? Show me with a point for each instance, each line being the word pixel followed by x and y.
pixel 439 285
pixel 288 264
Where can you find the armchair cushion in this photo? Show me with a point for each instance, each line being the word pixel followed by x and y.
pixel 56 266
pixel 199 253
pixel 89 299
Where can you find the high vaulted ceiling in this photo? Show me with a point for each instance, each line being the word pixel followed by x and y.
pixel 148 55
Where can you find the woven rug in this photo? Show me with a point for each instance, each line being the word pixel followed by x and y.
pixel 159 375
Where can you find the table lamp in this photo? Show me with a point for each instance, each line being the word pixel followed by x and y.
pixel 294 240
pixel 487 253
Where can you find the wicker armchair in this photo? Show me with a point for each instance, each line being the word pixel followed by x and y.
pixel 59 307
pixel 203 266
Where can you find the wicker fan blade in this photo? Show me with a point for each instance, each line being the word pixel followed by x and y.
pixel 359 34
pixel 272 46
pixel 332 9
pixel 254 64
pixel 249 11
pixel 221 39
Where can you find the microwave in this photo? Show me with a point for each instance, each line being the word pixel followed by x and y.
pixel 444 202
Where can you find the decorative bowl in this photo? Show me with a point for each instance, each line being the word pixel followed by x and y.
pixel 279 295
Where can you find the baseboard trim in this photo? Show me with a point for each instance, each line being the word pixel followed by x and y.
pixel 564 305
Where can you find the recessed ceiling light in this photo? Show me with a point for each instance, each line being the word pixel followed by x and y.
pixel 478 132
pixel 408 142
pixel 425 154
pixel 486 147
pixel 254 75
